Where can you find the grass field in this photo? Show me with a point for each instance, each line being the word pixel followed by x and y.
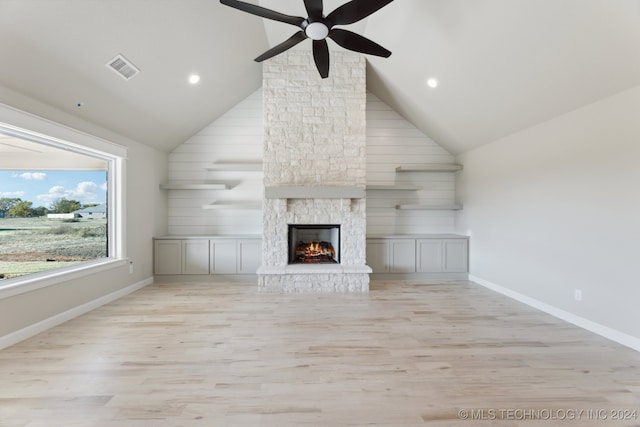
pixel 32 245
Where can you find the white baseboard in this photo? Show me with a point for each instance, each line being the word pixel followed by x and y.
pixel 596 328
pixel 36 328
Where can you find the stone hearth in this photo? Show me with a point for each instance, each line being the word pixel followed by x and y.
pixel 314 169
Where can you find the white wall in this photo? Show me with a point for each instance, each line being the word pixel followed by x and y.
pixel 238 135
pixel 557 207
pixel 145 217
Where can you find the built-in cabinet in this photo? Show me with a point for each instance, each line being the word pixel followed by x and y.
pixel 181 256
pixel 418 254
pixel 455 255
pixel 429 255
pixel 391 255
pixel 402 256
pixel 207 256
pixel 249 256
pixel 167 256
pixel 195 257
pixel 445 256
pixel 223 256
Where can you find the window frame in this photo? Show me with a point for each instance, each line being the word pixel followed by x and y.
pixel 27 126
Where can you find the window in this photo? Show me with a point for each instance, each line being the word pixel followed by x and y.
pixel 60 204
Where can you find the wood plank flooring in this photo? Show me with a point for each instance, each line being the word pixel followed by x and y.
pixel 406 354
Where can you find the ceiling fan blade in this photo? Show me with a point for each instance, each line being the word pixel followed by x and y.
pixel 314 9
pixel 355 10
pixel 356 42
pixel 289 43
pixel 321 57
pixel 263 12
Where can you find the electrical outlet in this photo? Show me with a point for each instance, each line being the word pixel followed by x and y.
pixel 130 267
pixel 577 294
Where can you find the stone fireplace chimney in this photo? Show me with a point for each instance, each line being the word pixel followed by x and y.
pixel 314 169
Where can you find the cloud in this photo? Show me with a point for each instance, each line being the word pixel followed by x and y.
pixel 11 194
pixel 57 192
pixel 87 187
pixel 85 192
pixel 32 176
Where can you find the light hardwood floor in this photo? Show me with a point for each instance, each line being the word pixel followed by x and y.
pixel 185 354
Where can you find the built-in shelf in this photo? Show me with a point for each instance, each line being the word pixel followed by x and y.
pixel 194 186
pixel 431 167
pixel 236 167
pixel 425 167
pixel 453 207
pixel 406 187
pixel 234 205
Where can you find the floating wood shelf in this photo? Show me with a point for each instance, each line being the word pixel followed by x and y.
pixel 431 167
pixel 453 207
pixel 394 187
pixel 194 186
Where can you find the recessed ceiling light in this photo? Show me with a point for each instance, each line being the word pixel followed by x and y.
pixel 432 83
pixel 194 79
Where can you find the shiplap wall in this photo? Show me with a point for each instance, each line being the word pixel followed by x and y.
pixel 234 137
pixel 391 142
pixel 238 136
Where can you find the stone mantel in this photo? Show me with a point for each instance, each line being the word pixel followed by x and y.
pixel 314 192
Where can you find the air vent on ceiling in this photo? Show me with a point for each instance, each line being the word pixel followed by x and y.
pixel 123 67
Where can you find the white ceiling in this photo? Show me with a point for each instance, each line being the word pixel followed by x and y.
pixel 503 65
pixel 20 154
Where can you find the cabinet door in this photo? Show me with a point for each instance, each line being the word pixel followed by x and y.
pixel 249 256
pixel 378 255
pixel 195 257
pixel 456 255
pixel 167 257
pixel 429 256
pixel 403 256
pixel 223 256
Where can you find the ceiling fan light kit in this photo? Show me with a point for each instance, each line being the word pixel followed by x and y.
pixel 316 31
pixel 319 27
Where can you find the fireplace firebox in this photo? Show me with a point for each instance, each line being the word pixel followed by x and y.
pixel 314 244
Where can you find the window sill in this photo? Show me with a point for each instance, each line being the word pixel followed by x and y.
pixel 32 282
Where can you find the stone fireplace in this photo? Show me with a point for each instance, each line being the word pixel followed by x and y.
pixel 314 171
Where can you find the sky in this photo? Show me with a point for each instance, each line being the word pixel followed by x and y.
pixel 42 188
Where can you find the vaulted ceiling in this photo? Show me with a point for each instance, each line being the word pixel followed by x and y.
pixel 502 65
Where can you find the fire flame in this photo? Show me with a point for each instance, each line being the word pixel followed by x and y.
pixel 315 250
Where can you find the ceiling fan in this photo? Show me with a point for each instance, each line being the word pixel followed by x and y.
pixel 318 27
